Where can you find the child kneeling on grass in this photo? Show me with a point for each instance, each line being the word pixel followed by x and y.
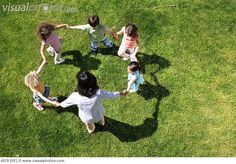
pixel 89 98
pixel 40 91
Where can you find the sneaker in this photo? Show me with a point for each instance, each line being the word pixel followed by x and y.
pixel 62 60
pixel 50 51
pixel 125 58
pixel 38 106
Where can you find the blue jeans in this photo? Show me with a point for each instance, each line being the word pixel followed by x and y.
pixel 46 93
pixel 106 42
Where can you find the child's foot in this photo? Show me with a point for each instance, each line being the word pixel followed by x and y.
pixel 38 106
pixel 50 51
pixel 125 58
pixel 62 60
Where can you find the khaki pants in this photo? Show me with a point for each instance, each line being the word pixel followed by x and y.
pixel 91 126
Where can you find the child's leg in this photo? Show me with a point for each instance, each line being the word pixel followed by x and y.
pixel 38 102
pixel 133 54
pixel 58 59
pixel 94 46
pixel 90 127
pixel 102 122
pixel 122 52
pixel 107 43
pixel 51 51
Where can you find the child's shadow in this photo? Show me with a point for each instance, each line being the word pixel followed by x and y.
pixel 109 51
pixel 84 62
pixel 154 59
pixel 128 133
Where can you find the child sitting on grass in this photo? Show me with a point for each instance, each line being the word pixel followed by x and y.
pixel 129 46
pixel 97 33
pixel 135 78
pixel 48 37
pixel 40 91
pixel 89 99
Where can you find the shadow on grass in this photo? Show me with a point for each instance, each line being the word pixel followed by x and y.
pixel 128 133
pixel 84 62
pixel 154 59
pixel 123 131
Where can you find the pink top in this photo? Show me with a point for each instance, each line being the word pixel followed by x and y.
pixel 53 41
pixel 128 41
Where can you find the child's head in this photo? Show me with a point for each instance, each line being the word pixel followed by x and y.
pixel 87 84
pixel 44 29
pixel 32 79
pixel 93 20
pixel 131 29
pixel 133 66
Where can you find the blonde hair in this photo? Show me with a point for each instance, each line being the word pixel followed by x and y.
pixel 32 79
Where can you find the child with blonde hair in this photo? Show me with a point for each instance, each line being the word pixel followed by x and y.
pixel 129 46
pixel 48 37
pixel 40 91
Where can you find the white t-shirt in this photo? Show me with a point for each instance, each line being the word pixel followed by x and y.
pixel 90 108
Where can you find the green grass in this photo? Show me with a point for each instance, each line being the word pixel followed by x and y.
pixel 186 108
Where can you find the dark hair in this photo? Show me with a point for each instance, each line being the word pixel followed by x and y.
pixel 44 30
pixel 134 66
pixel 93 20
pixel 87 84
pixel 131 29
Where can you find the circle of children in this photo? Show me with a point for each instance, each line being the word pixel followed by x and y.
pixel 88 97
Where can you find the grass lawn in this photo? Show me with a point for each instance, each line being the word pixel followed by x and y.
pixel 186 107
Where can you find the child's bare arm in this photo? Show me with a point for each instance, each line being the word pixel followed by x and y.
pixel 45 99
pixel 42 53
pixel 60 26
pixel 40 67
pixel 78 27
pixel 129 84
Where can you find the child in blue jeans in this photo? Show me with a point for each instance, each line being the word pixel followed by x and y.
pixel 40 91
pixel 97 33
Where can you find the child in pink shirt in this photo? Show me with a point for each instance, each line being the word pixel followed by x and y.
pixel 129 46
pixel 48 37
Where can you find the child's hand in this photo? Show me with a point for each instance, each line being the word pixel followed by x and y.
pixel 56 104
pixel 115 36
pixel 67 26
pixel 124 92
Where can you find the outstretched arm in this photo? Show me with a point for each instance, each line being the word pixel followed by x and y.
pixel 44 98
pixel 60 26
pixel 130 84
pixel 42 53
pixel 40 67
pixel 78 27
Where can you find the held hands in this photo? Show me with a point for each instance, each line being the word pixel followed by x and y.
pixel 115 36
pixel 124 93
pixel 56 104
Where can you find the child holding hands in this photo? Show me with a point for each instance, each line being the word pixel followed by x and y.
pixel 129 46
pixel 89 98
pixel 97 33
pixel 48 37
pixel 40 91
pixel 135 78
